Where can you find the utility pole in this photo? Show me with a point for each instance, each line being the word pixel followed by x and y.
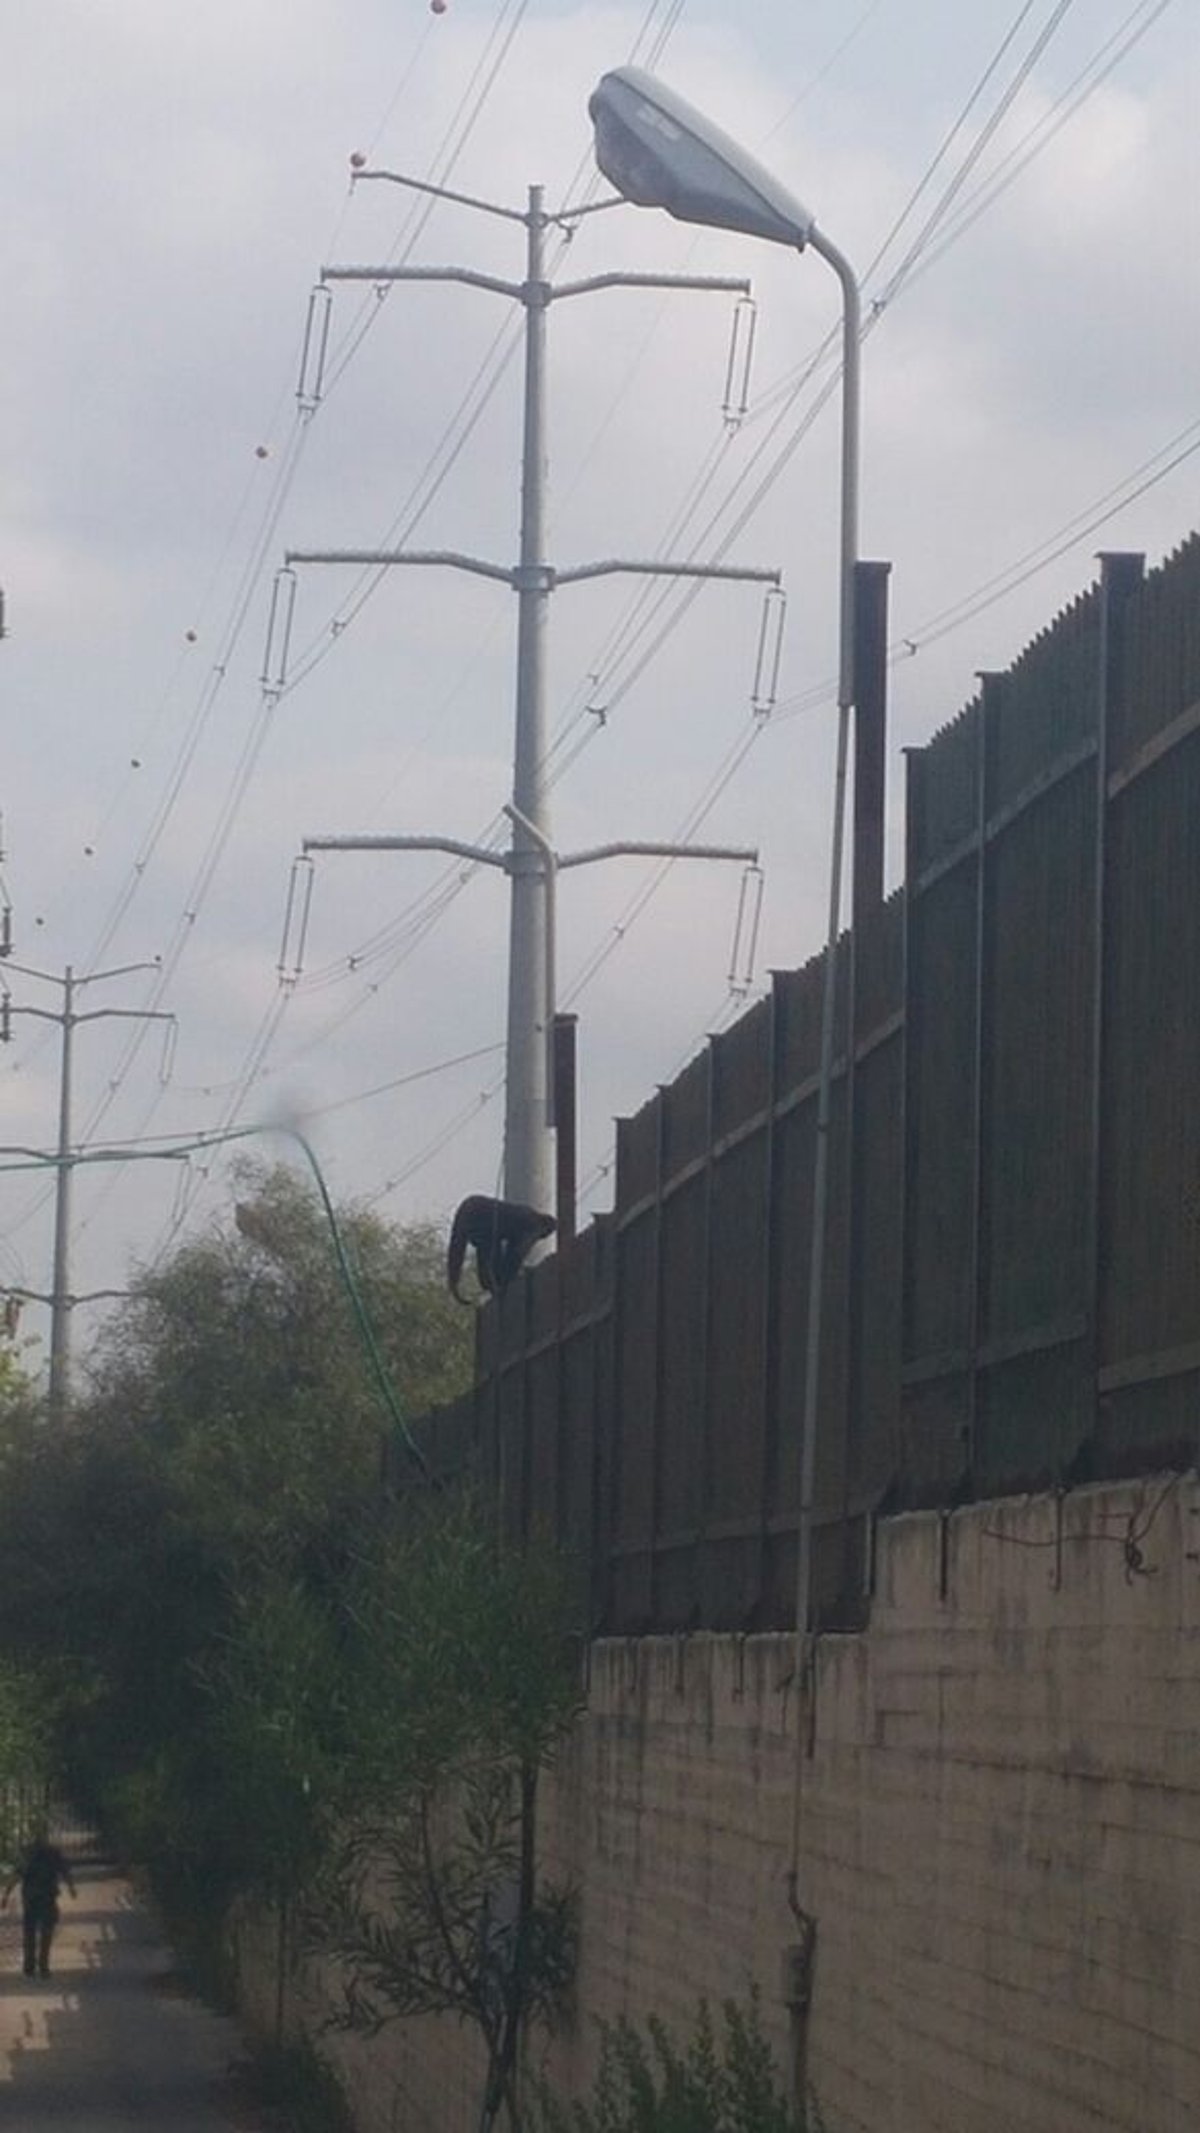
pixel 67 1017
pixel 530 862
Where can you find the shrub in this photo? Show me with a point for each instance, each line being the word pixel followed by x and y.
pixel 717 2083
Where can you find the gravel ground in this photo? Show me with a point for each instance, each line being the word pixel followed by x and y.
pixel 110 2042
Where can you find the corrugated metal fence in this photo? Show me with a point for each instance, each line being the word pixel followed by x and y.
pixel 1013 1292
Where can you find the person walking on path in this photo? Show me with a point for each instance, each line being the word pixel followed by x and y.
pixel 116 2044
pixel 41 1872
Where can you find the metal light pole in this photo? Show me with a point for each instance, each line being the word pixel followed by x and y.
pixel 528 1082
pixel 819 1241
pixel 60 1298
pixel 531 861
pixel 659 152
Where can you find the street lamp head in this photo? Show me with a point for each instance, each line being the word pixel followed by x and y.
pixel 660 152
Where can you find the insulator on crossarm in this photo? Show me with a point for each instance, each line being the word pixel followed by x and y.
pixel 765 691
pixel 5 1018
pixel 6 939
pixel 316 344
pixel 166 1065
pixel 745 932
pixel 184 1183
pixel 279 629
pixel 737 370
pixel 295 920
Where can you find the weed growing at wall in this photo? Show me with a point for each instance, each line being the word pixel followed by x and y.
pixel 720 2081
pixel 294 2087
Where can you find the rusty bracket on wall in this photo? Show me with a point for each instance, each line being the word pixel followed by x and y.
pixel 943 1564
pixel 1056 1574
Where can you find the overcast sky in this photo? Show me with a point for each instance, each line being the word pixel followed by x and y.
pixel 175 178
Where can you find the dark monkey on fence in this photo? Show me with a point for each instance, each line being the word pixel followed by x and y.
pixel 501 1233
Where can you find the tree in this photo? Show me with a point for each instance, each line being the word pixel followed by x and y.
pixel 229 1442
pixel 245 1357
pixel 287 1685
pixel 26 1730
pixel 431 1901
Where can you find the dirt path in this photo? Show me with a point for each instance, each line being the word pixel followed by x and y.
pixel 108 2043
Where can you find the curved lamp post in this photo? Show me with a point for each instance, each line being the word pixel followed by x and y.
pixel 660 152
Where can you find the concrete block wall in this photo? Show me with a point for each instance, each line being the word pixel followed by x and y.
pixel 999 1826
pixel 999 1836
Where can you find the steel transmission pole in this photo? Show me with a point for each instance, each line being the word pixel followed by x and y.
pixel 60 1310
pixel 531 861
pixel 60 1298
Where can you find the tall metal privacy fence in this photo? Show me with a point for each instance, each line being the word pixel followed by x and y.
pixel 1013 1286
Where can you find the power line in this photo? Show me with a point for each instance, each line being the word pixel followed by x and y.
pixel 310 1111
pixel 825 70
pixel 1157 10
pixel 454 139
pixel 435 474
pixel 674 605
pixel 915 252
pixel 1103 64
pixel 1181 448
pixel 481 85
pixel 982 140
